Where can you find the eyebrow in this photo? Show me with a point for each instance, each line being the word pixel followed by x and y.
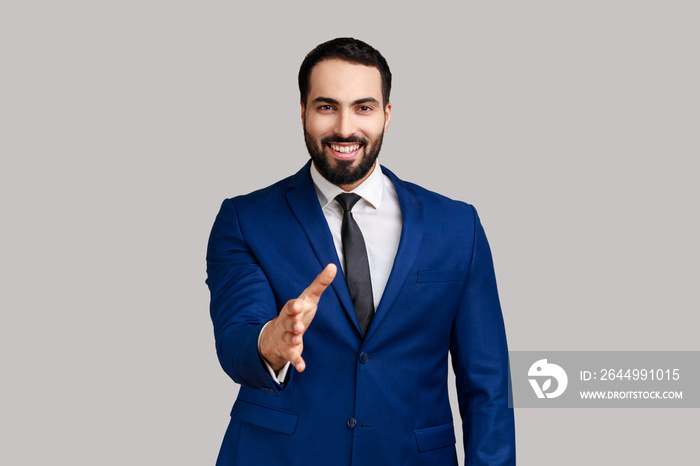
pixel 328 100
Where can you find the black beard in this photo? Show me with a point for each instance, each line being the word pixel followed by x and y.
pixel 341 172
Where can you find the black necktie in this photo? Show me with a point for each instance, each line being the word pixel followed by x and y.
pixel 356 263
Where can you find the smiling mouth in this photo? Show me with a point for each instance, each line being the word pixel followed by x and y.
pixel 345 148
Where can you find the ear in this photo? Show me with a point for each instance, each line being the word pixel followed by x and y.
pixel 387 116
pixel 303 114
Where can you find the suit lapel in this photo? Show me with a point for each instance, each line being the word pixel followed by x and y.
pixel 411 236
pixel 303 202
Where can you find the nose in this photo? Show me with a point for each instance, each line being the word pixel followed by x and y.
pixel 345 125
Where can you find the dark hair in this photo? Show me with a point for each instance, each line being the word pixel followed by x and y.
pixel 349 50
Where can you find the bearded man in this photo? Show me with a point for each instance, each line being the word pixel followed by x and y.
pixel 338 293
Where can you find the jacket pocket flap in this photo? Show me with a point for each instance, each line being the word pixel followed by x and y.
pixel 284 422
pixel 432 438
pixel 439 276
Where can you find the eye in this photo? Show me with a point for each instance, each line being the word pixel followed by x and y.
pixel 325 108
pixel 365 108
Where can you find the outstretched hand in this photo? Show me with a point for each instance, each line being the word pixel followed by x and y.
pixel 283 339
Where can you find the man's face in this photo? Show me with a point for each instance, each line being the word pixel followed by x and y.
pixel 344 121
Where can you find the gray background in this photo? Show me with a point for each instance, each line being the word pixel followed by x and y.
pixel 572 126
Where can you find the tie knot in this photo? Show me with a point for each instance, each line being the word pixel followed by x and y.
pixel 347 201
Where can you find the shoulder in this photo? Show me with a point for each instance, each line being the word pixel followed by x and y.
pixel 266 194
pixel 433 203
pixel 269 196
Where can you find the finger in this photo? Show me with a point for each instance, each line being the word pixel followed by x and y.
pixel 299 364
pixel 294 357
pixel 296 316
pixel 292 340
pixel 295 308
pixel 298 328
pixel 320 283
pixel 294 327
pixel 286 339
pixel 292 313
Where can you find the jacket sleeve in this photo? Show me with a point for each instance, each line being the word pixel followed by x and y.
pixel 242 301
pixel 480 361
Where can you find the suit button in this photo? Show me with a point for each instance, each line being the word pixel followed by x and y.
pixel 364 357
pixel 352 422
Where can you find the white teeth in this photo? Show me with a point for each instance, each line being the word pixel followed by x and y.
pixel 345 149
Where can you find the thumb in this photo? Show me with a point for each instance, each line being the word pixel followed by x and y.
pixel 320 283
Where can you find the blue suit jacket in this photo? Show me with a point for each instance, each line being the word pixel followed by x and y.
pixel 381 400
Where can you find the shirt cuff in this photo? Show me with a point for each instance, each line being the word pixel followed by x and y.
pixel 282 373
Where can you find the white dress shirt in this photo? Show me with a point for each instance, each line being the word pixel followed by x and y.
pixel 378 215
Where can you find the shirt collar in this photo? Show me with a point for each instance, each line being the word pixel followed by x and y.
pixel 370 190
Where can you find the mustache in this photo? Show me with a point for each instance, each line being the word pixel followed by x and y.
pixel 351 139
